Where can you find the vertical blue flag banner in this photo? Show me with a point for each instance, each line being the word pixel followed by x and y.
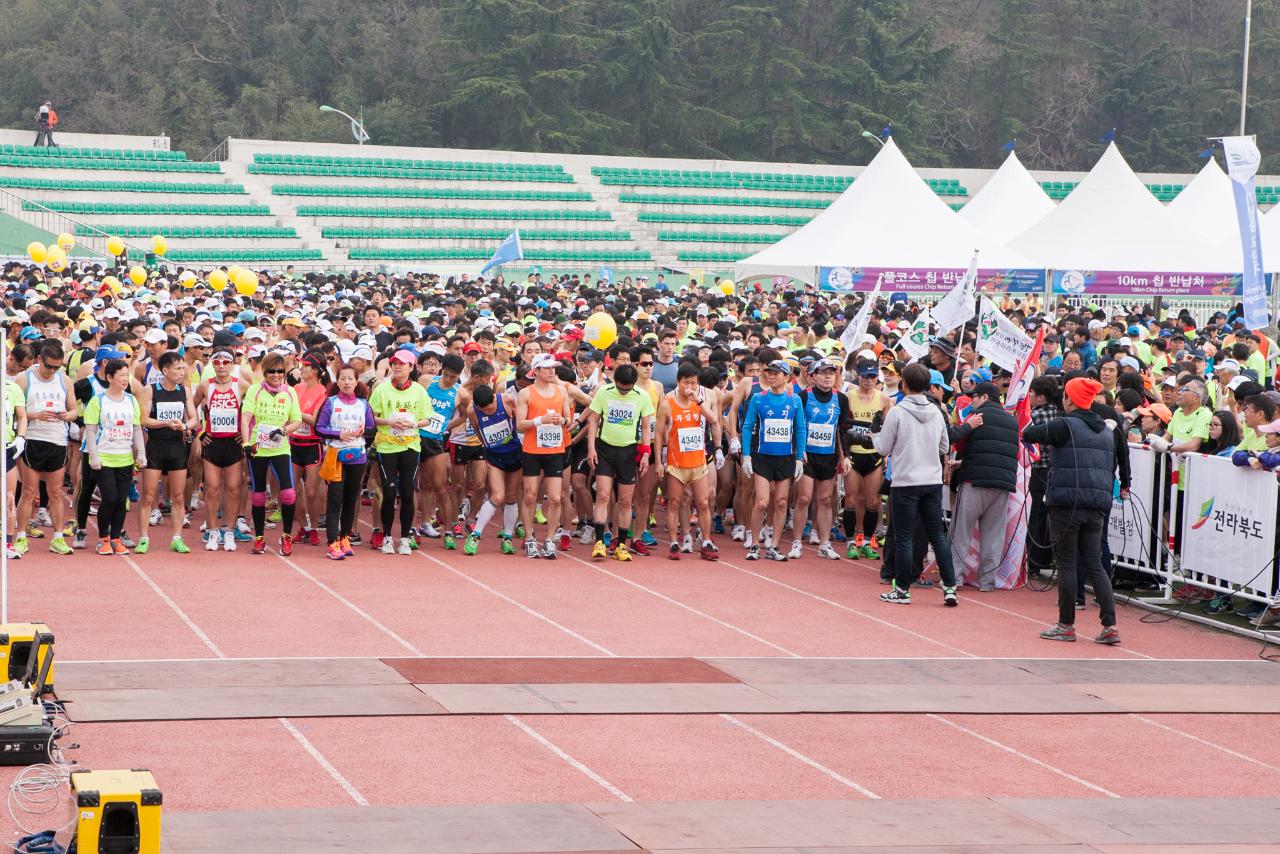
pixel 509 250
pixel 1242 165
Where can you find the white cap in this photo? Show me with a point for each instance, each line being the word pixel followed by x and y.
pixel 1237 381
pixel 256 351
pixel 544 360
pixel 346 349
pixel 194 340
pixel 112 312
pixel 363 352
pixel 155 336
pixel 253 333
pixel 1228 365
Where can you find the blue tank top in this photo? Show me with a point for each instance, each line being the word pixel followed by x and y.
pixel 443 402
pixel 497 431
pixel 821 418
pixel 775 416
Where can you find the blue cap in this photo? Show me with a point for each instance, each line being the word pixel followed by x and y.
pixel 981 375
pixel 407 346
pixel 936 378
pixel 107 352
pixel 1166 333
pixel 247 316
pixel 779 366
pixel 1135 329
pixel 236 329
pixel 29 333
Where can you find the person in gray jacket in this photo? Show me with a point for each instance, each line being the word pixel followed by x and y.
pixel 986 477
pixel 914 439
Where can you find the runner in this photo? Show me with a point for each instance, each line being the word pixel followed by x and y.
pixel 773 449
pixel 400 407
pixel 219 399
pixel 543 411
pixel 436 493
pixel 49 406
pixel 344 419
pixel 304 443
pixel 827 417
pixel 168 419
pixel 619 413
pixel 490 416
pixel 114 446
pixel 681 448
pixel 863 479
pixel 270 412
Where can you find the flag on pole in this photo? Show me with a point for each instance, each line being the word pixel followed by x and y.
pixel 957 306
pixel 508 250
pixel 1242 166
pixel 857 327
pixel 916 341
pixel 999 338
pixel 358 132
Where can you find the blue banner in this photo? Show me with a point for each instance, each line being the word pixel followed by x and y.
pixel 922 280
pixel 1242 165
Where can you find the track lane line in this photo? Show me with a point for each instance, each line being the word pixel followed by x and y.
pixel 574 763
pixel 323 762
pixel 1027 757
pixel 795 754
pixel 1205 742
pixel 182 615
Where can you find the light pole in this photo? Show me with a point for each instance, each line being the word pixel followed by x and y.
pixel 357 127
pixel 1244 72
pixel 866 134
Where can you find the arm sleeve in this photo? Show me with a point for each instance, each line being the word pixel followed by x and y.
pixel 801 427
pixel 323 417
pixel 884 440
pixel 843 422
pixel 749 426
pixel 1053 433
pixel 1122 459
pixel 370 424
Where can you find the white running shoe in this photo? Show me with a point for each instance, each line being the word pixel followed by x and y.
pixel 813 538
pixel 826 551
pixel 773 554
pixel 42 518
pixel 195 503
pixel 228 541
pixel 429 531
pixel 156 517
pixel 214 539
pixel 186 520
pixel 739 531
pixel 748 542
pixel 243 526
pixel 797 550
pixel 405 548
pixel 11 553
pixel 686 545
pixel 388 546
pixel 766 536
pixel 549 550
pixel 588 535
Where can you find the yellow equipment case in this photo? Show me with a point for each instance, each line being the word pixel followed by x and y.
pixel 16 640
pixel 117 812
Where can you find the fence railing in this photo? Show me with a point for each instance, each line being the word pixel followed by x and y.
pixel 88 238
pixel 219 152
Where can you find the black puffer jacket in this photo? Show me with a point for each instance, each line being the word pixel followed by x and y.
pixel 990 456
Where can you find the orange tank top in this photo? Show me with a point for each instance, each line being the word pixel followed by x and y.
pixel 546 438
pixel 687 441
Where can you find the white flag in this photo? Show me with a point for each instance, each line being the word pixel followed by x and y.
pixel 957 306
pixel 857 327
pixel 999 339
pixel 916 341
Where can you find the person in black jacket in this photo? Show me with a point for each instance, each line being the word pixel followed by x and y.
pixel 986 476
pixel 1078 494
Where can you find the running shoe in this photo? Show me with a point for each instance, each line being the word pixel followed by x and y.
pixel 213 539
pixel 119 547
pixel 177 545
pixel 853 552
pixel 620 552
pixel 347 551
pixel 837 534
pixel 748 542
pixel 548 549
pixel 773 554
pixel 366 498
pixel 314 539
pixel 33 530
pixel 378 539
pixel 709 551
pixel 334 552
pixel 259 545
pixel 286 545
pixel 508 548
pixel 531 549
pixel 922 582
pixel 519 529
pixel 450 544
pixel 753 553
pixel 766 535
pixel 388 546
pixel 673 553
pixel 229 540
pixel 156 517
pixel 20 543
pixel 1109 636
pixel 588 535
pixel 717 524
pixel 105 549
pixel 896 596
pixel 405 548
pixel 869 551
pixel 11 553
pixel 133 493
pixel 807 532
pixel 472 545
pixel 429 531
pixel 538 518
pixel 599 551
pixel 638 547
pixel 353 540
pixel 81 539
pixel 826 551
pixel 59 546
pixel 686 545
pixel 186 520
pixel 274 515
pixel 812 538
pixel 1218 605
pixel 797 550
pixel 647 538
pixel 739 532
pixel 1059 632
pixel 949 597
pixel 124 538
pixel 144 545
pixel 566 542
pixel 413 541
pixel 42 518
pixel 242 527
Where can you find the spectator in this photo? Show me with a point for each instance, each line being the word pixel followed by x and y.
pixel 46 121
pixel 986 476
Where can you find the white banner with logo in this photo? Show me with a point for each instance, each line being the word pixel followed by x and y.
pixel 1129 530
pixel 1228 526
pixel 916 341
pixel 1242 166
pixel 998 338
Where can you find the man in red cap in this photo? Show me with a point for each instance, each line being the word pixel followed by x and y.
pixel 1082 470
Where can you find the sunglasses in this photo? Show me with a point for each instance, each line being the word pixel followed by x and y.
pixel 49 367
pixel 644 364
pixel 274 371
pixel 222 362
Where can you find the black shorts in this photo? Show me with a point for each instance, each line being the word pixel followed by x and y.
pixel 578 458
pixel 165 457
pixel 432 447
pixel 865 464
pixel 223 451
pixel 463 454
pixel 774 468
pixel 44 457
pixel 304 455
pixel 505 464
pixel 617 463
pixel 10 459
pixel 820 466
pixel 546 465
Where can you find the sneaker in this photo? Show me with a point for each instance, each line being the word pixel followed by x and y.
pixel 156 517
pixel 334 552
pixel 119 547
pixel 1109 636
pixel 429 531
pixel 686 545
pixel 837 534
pixel 922 582
pixel 43 519
pixel 450 544
pixel 896 596
pixel 124 538
pixel 366 499
pixel 566 542
pixel 650 540
pixel 807 532
pixel 81 539
pixel 766 534
pixel 600 551
pixel 748 541
pixel 104 548
pixel 753 553
pixel 1218 605
pixel 378 539
pixel 538 518
pixel 620 552
pixel 812 538
pixel 33 530
pixel 853 552
pixel 949 597
pixel 709 551
pixel 11 553
pixel 773 554
pixel 1080 606
pixel 388 546
pixel 458 531
pixel 638 547
pixel 314 538
pixel 347 551
pixel 588 535
pixel 353 540
pixel 241 537
pixel 59 546
pixel 229 540
pixel 133 492
pixel 195 503
pixel 242 527
pixel 519 529
pixel 826 551
pixel 673 553
pixel 275 516
pixel 869 551
pixel 20 544
pixel 213 539
pixel 548 550
pixel 739 532
pixel 186 520
pixel 1059 632
pixel 1269 617
pixel 286 545
pixel 259 545
pixel 531 549
pixel 472 545
pixel 796 552
pixel 177 545
pixel 717 524
pixel 508 548
pixel 144 545
pixel 405 548
pixel 1251 611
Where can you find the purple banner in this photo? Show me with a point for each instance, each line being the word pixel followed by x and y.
pixel 1147 284
pixel 844 279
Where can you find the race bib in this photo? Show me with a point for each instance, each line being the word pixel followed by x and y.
pixel 777 430
pixel 550 436
pixel 223 419
pixel 404 432
pixel 267 442
pixel 119 435
pixel 497 433
pixel 690 438
pixel 170 411
pixel 435 424
pixel 620 413
pixel 822 435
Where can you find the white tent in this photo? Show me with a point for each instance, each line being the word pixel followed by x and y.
pixel 888 218
pixel 1009 203
pixel 1206 206
pixel 1112 222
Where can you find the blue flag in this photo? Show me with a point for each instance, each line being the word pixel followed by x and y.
pixel 1109 136
pixel 508 250
pixel 1243 158
pixel 1008 146
pixel 1206 154
pixel 886 131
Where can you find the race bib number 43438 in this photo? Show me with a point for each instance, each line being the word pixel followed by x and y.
pixel 777 430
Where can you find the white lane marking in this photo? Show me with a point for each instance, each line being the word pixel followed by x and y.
pixel 795 754
pixel 523 607
pixel 1018 753
pixel 182 615
pixel 689 608
pixel 324 763
pixel 373 621
pixel 1205 742
pixel 976 601
pixel 843 607
pixel 578 766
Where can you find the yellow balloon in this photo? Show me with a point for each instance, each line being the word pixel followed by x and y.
pixel 112 283
pixel 246 282
pixel 115 246
pixel 57 264
pixel 66 241
pixel 159 245
pixel 54 254
pixel 727 288
pixel 600 331
pixel 188 279
pixel 137 275
pixel 217 280
pixel 36 251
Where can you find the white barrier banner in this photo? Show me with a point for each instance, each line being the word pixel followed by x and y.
pixel 1229 522
pixel 1129 529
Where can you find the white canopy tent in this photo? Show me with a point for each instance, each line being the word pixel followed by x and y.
pixel 1009 203
pixel 888 218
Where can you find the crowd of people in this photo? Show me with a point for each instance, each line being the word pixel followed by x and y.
pixel 628 418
